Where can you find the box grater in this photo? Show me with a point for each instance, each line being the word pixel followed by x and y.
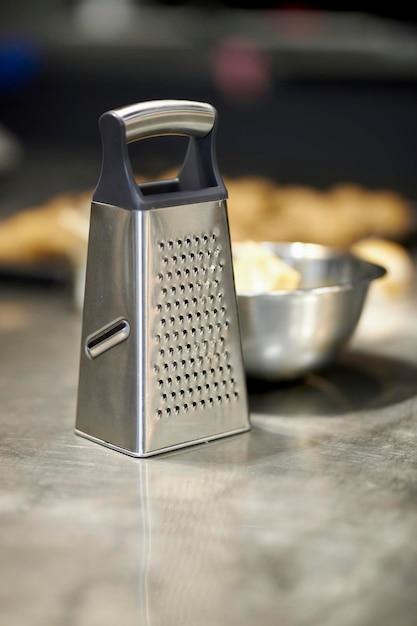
pixel 161 361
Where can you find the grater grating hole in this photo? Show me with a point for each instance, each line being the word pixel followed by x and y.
pixel 188 287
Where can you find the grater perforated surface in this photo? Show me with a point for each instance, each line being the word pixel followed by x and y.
pixel 192 363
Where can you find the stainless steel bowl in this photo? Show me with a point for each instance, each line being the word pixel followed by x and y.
pixel 286 334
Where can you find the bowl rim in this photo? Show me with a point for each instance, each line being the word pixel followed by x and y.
pixel 372 272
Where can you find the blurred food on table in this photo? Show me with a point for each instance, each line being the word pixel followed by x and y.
pixel 399 279
pixel 57 229
pixel 372 223
pixel 339 216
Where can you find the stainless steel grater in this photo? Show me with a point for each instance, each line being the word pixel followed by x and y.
pixel 161 362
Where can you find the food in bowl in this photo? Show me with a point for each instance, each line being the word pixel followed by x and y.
pixel 258 269
pixel 287 333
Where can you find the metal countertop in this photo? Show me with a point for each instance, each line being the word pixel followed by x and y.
pixel 308 519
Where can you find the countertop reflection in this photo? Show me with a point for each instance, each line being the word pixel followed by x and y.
pixel 308 519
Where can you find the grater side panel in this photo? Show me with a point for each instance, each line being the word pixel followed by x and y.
pixel 108 391
pixel 195 381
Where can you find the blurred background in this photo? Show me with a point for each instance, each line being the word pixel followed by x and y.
pixel 306 94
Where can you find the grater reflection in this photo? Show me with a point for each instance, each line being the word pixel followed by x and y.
pixel 184 545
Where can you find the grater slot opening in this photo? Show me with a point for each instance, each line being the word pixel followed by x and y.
pixel 107 337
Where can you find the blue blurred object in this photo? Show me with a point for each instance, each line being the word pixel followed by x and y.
pixel 20 62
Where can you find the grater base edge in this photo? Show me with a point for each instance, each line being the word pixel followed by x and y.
pixel 139 455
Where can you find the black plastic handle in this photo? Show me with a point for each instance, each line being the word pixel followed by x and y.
pixel 199 179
